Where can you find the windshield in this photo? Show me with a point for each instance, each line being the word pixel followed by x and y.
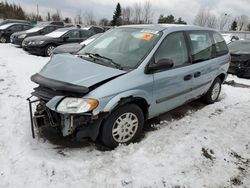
pixel 126 47
pixel 56 34
pixel 242 46
pixel 5 26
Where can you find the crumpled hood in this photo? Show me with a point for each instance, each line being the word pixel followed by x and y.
pixel 74 70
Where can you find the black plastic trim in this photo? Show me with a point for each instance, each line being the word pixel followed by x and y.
pixel 58 85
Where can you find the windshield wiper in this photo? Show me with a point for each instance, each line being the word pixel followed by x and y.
pixel 98 56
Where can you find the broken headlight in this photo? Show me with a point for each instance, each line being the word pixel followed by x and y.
pixel 76 105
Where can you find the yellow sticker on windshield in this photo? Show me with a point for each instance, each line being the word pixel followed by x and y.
pixel 147 36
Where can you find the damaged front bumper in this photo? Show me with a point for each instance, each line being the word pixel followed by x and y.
pixel 78 125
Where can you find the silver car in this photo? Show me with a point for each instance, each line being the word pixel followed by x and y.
pixel 127 76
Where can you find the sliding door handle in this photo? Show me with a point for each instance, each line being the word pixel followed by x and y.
pixel 188 77
pixel 197 74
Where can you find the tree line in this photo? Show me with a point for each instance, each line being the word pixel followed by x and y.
pixel 207 18
pixel 137 13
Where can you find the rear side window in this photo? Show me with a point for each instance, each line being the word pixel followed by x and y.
pixel 201 46
pixel 219 45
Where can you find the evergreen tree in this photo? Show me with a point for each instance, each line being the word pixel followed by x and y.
pixel 117 16
pixel 234 26
pixel 170 19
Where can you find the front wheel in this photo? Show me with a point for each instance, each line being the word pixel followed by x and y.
pixel 49 50
pixel 3 40
pixel 123 126
pixel 213 93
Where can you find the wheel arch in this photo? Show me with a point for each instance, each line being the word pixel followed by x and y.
pixel 222 77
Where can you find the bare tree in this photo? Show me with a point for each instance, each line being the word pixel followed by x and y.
pixel 212 21
pixel 56 16
pixel 224 20
pixel 242 22
pixel 78 18
pixel 89 18
pixel 104 22
pixel 205 18
pixel 147 12
pixel 137 13
pixel 127 14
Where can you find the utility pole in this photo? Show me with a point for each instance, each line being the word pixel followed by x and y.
pixel 37 12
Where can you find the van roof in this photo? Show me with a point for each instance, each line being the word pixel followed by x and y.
pixel 161 27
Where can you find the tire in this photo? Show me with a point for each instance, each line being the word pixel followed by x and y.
pixel 213 93
pixel 3 40
pixel 49 50
pixel 123 132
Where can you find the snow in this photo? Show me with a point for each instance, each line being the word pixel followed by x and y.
pixel 193 146
pixel 56 34
pixel 34 29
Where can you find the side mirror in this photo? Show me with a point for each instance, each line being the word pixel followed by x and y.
pixel 161 65
pixel 41 32
pixel 9 30
pixel 65 38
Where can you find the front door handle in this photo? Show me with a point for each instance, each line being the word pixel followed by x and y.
pixel 197 74
pixel 188 77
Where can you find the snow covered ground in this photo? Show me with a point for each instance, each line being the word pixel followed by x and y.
pixel 193 146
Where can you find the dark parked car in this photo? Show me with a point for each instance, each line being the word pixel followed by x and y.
pixel 8 29
pixel 73 48
pixel 3 22
pixel 240 54
pixel 18 37
pixel 50 23
pixel 44 45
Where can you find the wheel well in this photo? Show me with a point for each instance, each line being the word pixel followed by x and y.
pixel 141 102
pixel 222 77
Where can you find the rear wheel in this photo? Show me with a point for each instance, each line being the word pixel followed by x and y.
pixel 123 126
pixel 213 93
pixel 49 50
pixel 3 39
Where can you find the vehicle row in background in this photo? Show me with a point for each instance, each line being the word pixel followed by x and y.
pixel 7 30
pixel 73 48
pixel 45 44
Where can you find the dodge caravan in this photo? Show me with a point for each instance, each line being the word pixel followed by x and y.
pixel 126 76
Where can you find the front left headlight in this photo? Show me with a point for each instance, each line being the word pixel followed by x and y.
pixel 76 105
pixel 40 42
pixel 22 36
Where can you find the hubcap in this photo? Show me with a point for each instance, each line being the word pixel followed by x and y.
pixel 3 40
pixel 50 50
pixel 125 127
pixel 215 91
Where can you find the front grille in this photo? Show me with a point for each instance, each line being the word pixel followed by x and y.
pixel 47 94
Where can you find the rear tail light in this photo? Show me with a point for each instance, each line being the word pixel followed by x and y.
pixel 229 59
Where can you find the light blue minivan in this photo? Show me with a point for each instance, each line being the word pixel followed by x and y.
pixel 127 76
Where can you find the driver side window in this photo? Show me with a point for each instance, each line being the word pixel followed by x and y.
pixel 173 47
pixel 73 35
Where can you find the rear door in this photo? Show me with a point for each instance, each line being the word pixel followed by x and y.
pixel 172 86
pixel 206 61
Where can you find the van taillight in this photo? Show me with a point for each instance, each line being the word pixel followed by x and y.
pixel 229 59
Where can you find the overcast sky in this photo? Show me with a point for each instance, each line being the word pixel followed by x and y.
pixel 104 8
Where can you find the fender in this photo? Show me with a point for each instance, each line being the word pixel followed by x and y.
pixel 131 93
